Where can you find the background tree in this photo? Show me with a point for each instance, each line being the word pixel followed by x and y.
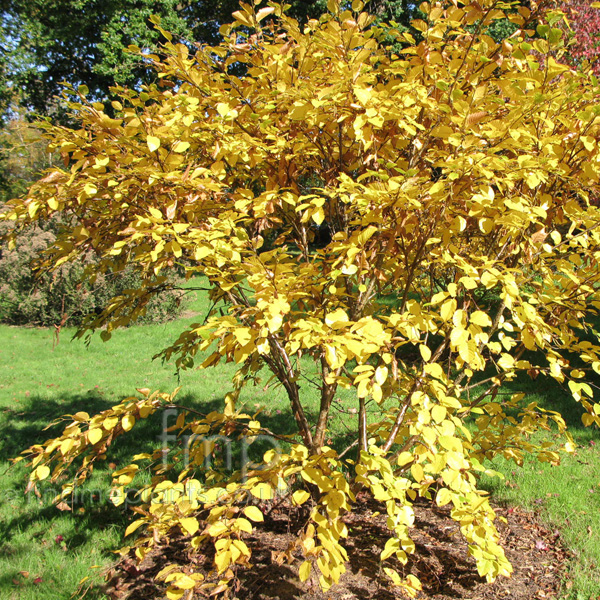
pixel 584 21
pixel 61 298
pixel 23 155
pixel 464 253
pixel 91 47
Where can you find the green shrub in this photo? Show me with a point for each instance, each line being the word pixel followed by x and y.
pixel 67 297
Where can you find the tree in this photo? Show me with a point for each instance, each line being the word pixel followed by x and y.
pixel 23 155
pixel 92 46
pixel 463 252
pixel 584 19
pixel 89 48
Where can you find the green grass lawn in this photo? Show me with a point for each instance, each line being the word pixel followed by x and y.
pixel 566 496
pixel 44 553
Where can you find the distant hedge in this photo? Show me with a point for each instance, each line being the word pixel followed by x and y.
pixel 62 298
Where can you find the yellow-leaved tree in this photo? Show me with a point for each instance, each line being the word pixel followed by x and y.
pixel 417 229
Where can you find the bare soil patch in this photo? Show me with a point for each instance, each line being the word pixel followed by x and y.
pixel 441 561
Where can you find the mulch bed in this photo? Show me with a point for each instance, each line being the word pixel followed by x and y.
pixel 441 561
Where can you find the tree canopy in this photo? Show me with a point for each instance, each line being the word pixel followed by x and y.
pixel 454 181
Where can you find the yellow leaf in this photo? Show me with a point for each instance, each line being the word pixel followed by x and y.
pixel 240 16
pixel 363 94
pixel 448 309
pixel 412 582
pixel 254 514
pixel 262 491
pixel 176 249
pixel 190 524
pixel 42 472
pixel 434 369
pixel 184 582
pixel 438 413
pixel 468 282
pixel 155 213
pixel 304 570
pixel 181 147
pixel 299 112
pixel 587 419
pixel 439 297
pixel 381 374
pixel 110 423
pixel 153 143
pixel 222 561
pixel 450 443
pixel 133 526
pixel 442 131
pixel 417 472
pixel 323 565
pixel 318 216
pixel 32 208
pixel 556 237
pixel 480 318
pixel 174 593
pixel 241 547
pixel 506 362
pixel 127 422
pixel 94 435
pixel 243 525
pixel 486 226
pixel 102 161
pixel 425 352
pixel 117 496
pixel 489 280
pixel 338 316
pixel 404 458
pixel 300 497
pixel 264 12
pixel 333 356
pixel 376 392
pixel 443 497
pixel 66 446
pixel 223 109
pixel 217 529
pixel 391 547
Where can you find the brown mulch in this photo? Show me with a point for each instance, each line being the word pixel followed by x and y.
pixel 441 561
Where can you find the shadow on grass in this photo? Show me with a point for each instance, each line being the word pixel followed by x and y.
pixel 548 393
pixel 92 509
pixel 24 426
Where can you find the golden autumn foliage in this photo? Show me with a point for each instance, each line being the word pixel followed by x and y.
pixel 418 228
